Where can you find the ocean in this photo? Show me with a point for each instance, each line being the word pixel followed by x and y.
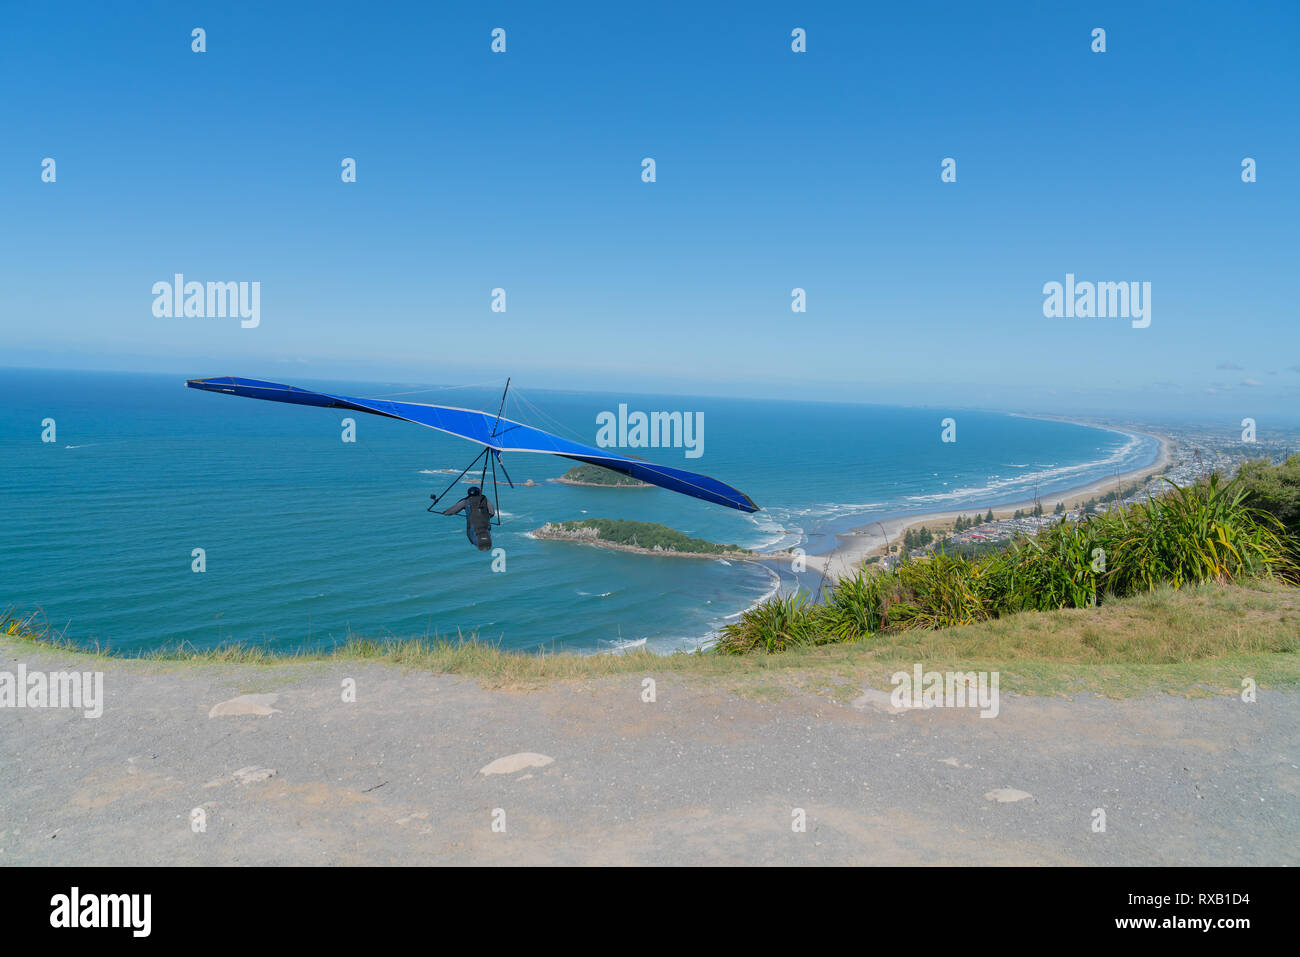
pixel 308 540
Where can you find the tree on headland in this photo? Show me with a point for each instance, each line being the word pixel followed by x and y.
pixel 650 535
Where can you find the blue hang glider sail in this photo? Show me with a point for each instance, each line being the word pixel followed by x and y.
pixel 493 432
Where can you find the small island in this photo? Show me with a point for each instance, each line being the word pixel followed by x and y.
pixel 594 475
pixel 647 537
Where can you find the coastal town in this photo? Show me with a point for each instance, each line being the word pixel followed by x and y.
pixel 1193 453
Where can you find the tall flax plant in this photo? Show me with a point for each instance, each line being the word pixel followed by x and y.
pixel 774 625
pixel 857 606
pixel 1203 532
pixel 938 592
pixel 1200 533
pixel 1060 567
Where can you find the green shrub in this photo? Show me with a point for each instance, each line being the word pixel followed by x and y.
pixel 1275 489
pixel 1202 533
pixel 774 625
pixel 855 607
pixel 648 535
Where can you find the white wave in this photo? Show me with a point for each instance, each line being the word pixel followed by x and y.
pixel 775 586
pixel 1026 482
pixel 836 508
pixel 627 644
pixel 772 536
pixel 786 527
pixel 667 644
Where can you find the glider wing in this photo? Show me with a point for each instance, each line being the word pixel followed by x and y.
pixel 501 435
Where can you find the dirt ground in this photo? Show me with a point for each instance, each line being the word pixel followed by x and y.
pixel 293 774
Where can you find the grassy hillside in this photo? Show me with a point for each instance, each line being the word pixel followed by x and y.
pixel 1196 640
pixel 1203 533
pixel 1196 592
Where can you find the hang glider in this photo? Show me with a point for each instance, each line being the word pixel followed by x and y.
pixel 494 433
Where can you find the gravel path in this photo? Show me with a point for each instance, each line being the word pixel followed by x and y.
pixel 292 774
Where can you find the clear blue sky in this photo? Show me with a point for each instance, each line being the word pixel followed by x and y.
pixel 775 170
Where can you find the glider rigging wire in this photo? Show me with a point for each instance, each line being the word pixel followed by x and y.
pixel 496 434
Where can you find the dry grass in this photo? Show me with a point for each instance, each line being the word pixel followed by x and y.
pixel 1194 640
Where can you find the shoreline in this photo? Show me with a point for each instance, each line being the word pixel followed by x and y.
pixel 865 541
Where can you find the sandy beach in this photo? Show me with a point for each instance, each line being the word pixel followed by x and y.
pixel 868 540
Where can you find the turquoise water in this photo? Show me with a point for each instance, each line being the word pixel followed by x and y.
pixel 308 539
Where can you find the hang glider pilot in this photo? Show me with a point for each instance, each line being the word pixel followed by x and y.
pixel 478 518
